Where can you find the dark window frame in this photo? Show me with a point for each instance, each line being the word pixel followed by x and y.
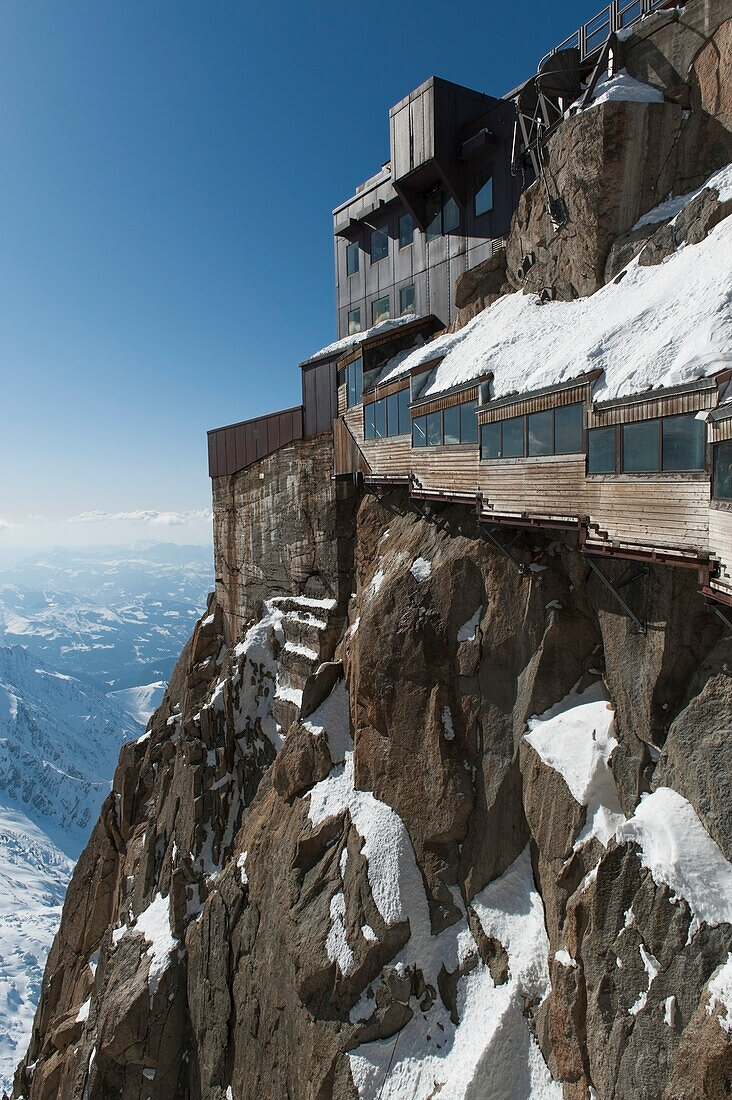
pixel 445 199
pixel 525 417
pixel 717 452
pixel 351 312
pixel 384 298
pixel 403 242
pixel 487 177
pixel 406 312
pixel 381 232
pixel 352 249
pixel 354 382
pixel 620 448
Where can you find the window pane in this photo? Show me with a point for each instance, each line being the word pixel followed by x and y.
pixel 484 197
pixel 434 429
pixel 419 431
pixel 404 418
pixel 601 451
pixel 379 244
pixel 369 426
pixel 568 429
pixel 380 418
pixel 640 446
pixel 406 299
pixel 433 215
pixel 490 441
pixel 450 216
pixel 379 310
pixel 352 258
pixel 452 424
pixel 684 438
pixel 540 433
pixel 406 230
pixel 722 465
pixel 468 422
pixel 355 381
pixel 513 437
pixel 354 321
pixel 392 414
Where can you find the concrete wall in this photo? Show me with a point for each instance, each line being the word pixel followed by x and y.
pixel 281 527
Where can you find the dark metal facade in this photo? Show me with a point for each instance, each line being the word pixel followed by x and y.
pixel 319 396
pixel 236 446
pixel 444 139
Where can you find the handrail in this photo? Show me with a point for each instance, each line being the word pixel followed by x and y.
pixel 615 17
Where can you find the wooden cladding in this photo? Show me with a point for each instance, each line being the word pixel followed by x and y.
pixel 387 390
pixel 721 430
pixel 238 445
pixel 448 402
pixel 552 399
pixel 348 458
pixel 673 405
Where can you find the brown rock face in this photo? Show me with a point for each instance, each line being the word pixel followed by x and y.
pixel 227 923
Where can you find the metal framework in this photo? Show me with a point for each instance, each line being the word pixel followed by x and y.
pixel 615 590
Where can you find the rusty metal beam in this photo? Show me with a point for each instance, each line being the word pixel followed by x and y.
pixel 640 623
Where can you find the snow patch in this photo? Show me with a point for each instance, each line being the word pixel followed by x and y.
pixel 623 88
pixel 651 967
pixel 468 630
pixel 241 864
pixel 720 994
pixel 447 725
pixel 421 569
pixel 154 924
pixel 565 959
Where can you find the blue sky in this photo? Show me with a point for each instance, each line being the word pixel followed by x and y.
pixel 167 175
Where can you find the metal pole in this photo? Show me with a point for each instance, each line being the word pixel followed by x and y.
pixel 640 623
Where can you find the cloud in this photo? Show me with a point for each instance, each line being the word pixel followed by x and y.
pixel 6 525
pixel 147 517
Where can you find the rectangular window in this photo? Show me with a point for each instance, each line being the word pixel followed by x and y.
pixel 419 431
pixel 513 438
pixel 354 321
pixel 468 422
pixel 452 424
pixel 392 414
pixel 722 470
pixel 641 450
pixel 540 433
pixel 483 195
pixel 379 310
pixel 404 418
pixel 355 382
pixel 380 418
pixel 406 230
pixel 434 429
pixel 369 424
pixel 406 300
pixel 450 216
pixel 601 451
pixel 352 258
pixel 379 244
pixel 433 215
pixel 490 441
pixel 684 440
pixel 568 422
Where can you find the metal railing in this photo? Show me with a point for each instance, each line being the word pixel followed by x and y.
pixel 617 16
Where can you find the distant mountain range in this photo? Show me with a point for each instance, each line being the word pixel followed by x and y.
pixel 76 624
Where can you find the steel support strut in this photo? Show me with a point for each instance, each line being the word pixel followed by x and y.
pixel 640 623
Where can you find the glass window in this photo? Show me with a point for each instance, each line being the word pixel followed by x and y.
pixel 450 216
pixel 640 446
pixel 468 422
pixel 380 418
pixel 404 418
pixel 379 244
pixel 513 437
pixel 722 470
pixel 406 300
pixel 433 215
pixel 352 258
pixel 452 424
pixel 354 321
pixel 684 439
pixel 406 230
pixel 568 429
pixel 483 195
pixel 379 310
pixel 355 381
pixel 601 451
pixel 419 431
pixel 369 424
pixel 392 414
pixel 490 441
pixel 434 429
pixel 540 433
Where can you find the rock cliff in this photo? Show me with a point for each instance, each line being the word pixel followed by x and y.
pixel 463 834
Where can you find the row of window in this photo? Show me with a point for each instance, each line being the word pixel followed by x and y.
pixel 675 443
pixel 550 432
pixel 442 215
pixel 387 416
pixel 380 309
pixel 449 426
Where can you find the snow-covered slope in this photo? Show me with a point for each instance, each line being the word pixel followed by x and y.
pixel 59 742
pixel 140 702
